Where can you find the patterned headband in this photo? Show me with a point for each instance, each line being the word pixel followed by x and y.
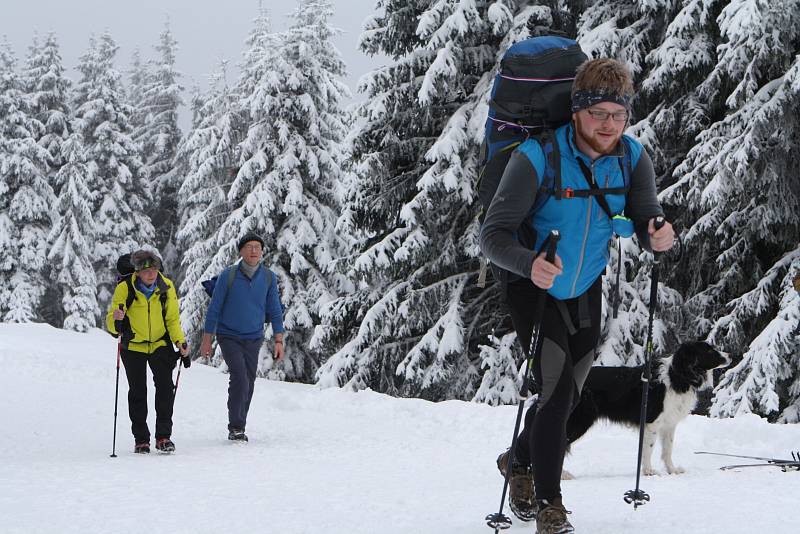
pixel 583 99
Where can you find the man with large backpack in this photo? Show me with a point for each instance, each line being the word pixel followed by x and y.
pixel 144 311
pixel 578 179
pixel 244 297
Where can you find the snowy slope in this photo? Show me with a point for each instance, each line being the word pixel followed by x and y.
pixel 329 461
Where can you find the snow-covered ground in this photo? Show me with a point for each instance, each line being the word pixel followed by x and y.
pixel 329 461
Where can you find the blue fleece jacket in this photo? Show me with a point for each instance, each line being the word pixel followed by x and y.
pixel 247 303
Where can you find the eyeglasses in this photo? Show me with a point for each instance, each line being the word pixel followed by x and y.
pixel 254 248
pixel 600 115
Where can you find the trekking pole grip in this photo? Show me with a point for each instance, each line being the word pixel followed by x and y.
pixel 118 324
pixel 658 223
pixel 552 244
pixel 186 360
pixel 550 256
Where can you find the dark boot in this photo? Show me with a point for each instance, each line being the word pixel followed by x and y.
pixel 552 517
pixel 165 445
pixel 522 498
pixel 237 434
pixel 142 447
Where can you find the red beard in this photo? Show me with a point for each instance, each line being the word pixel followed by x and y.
pixel 602 144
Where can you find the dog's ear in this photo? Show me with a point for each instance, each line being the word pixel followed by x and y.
pixel 685 371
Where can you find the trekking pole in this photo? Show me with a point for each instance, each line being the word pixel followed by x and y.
pixel 186 362
pixel 499 521
pixel 118 326
pixel 638 497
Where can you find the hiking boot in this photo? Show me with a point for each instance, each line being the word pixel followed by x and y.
pixel 165 445
pixel 237 434
pixel 522 497
pixel 142 447
pixel 552 517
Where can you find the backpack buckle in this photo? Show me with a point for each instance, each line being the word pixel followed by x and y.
pixel 569 193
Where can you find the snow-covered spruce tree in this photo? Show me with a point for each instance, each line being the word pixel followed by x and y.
pixel 72 236
pixel 414 324
pixel 675 112
pixel 501 379
pixel 47 90
pixel 630 30
pixel 742 207
pixel 210 153
pixel 138 75
pixel 159 136
pixel 26 199
pixel 47 94
pixel 120 192
pixel 284 189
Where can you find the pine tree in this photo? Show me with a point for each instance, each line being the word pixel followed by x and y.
pixel 72 237
pixel 418 313
pixel 679 63
pixel 210 153
pixel 501 379
pixel 47 94
pixel 159 136
pixel 120 193
pixel 26 199
pixel 47 90
pixel 291 90
pixel 743 209
pixel 138 76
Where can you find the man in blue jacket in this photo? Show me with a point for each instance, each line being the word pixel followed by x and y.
pixel 236 315
pixel 593 152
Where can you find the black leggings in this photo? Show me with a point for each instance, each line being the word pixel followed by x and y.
pixel 559 373
pixel 162 362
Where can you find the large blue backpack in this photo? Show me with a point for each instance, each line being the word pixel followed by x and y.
pixel 531 97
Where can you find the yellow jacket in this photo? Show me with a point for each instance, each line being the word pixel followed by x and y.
pixel 147 329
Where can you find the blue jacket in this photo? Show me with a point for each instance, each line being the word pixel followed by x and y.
pixel 247 304
pixel 585 228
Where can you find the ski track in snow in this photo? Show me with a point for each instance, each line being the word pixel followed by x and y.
pixel 331 461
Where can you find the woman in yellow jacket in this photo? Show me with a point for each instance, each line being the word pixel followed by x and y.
pixel 145 309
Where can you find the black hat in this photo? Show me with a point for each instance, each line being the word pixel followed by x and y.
pixel 249 236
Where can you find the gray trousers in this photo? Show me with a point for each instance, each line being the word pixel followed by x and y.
pixel 241 356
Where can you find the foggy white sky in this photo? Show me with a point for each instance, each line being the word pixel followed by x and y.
pixel 206 31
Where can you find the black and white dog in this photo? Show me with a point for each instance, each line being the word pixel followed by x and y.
pixel 615 394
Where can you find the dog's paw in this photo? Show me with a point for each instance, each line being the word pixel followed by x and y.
pixel 675 470
pixel 566 475
pixel 649 471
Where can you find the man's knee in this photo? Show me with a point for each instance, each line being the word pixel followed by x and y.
pixel 552 368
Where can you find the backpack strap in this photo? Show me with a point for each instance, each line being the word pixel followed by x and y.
pixel 128 279
pixel 231 270
pixel 126 332
pixel 228 283
pixel 269 286
pixel 162 297
pixel 595 191
pixel 231 276
pixel 551 181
